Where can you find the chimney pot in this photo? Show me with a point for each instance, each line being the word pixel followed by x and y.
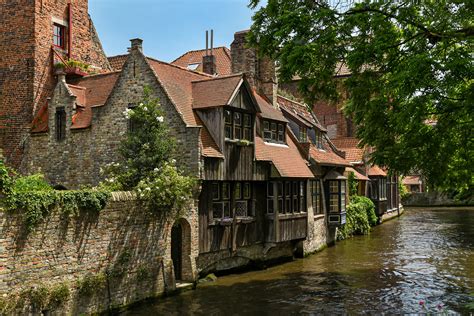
pixel 137 43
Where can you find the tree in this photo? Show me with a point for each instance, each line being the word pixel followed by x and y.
pixel 411 89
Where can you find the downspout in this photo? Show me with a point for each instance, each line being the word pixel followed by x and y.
pixel 69 37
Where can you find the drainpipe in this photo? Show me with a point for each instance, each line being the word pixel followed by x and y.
pixel 69 37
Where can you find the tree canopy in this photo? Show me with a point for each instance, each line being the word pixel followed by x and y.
pixel 411 62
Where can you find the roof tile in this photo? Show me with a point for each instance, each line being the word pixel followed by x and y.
pixel 223 61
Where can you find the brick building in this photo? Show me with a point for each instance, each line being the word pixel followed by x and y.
pixel 272 181
pixel 33 36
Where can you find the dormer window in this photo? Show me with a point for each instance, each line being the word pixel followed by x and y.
pixel 273 131
pixel 59 36
pixel 238 125
pixel 303 135
pixel 319 140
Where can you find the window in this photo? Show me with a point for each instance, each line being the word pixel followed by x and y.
pixel 319 140
pixel 222 202
pixel 383 189
pixel 59 36
pixel 337 196
pixel 316 197
pixel 273 132
pixel 238 125
pixel 60 118
pixel 290 197
pixel 303 134
pixel 193 66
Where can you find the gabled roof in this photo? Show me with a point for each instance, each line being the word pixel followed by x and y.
pixel 358 175
pixel 177 82
pixel 411 180
pixel 194 57
pixel 350 145
pixel 299 111
pixel 376 171
pixel 285 158
pixel 215 92
pixel 90 91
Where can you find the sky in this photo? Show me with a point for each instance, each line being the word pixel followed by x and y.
pixel 169 28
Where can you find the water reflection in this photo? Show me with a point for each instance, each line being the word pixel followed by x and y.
pixel 424 256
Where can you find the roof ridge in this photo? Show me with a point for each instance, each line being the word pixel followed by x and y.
pixel 293 101
pixel 102 74
pixel 181 68
pixel 219 77
pixel 121 55
pixel 198 50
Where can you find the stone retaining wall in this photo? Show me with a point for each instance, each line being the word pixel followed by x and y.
pixel 433 199
pixel 122 254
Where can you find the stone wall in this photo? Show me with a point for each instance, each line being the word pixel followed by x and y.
pixel 77 160
pixel 26 62
pixel 434 199
pixel 125 244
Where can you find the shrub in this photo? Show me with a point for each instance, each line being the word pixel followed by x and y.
pixel 58 295
pixel 353 184
pixel 358 218
pixel 92 284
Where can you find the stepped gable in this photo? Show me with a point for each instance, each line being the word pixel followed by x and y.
pixel 194 59
pixel 90 91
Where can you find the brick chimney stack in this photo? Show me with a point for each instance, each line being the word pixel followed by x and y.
pixel 260 71
pixel 209 60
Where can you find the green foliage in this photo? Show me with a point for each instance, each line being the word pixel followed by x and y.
pixel 147 160
pixel 38 296
pixel 353 184
pixel 143 273
pixel 35 198
pixel 92 284
pixel 58 295
pixel 360 216
pixel 411 88
pixel 369 207
pixel 166 188
pixel 403 191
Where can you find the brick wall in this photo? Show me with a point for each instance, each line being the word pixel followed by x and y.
pixel 77 160
pixel 133 245
pixel 26 62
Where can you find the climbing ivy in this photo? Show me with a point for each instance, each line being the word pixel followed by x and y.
pixel 33 198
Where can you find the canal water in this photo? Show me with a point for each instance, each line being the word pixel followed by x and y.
pixel 421 262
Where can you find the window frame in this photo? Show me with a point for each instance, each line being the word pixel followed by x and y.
pixel 316 197
pixel 290 197
pixel 336 193
pixel 240 125
pixel 229 194
pixel 274 131
pixel 60 122
pixel 59 37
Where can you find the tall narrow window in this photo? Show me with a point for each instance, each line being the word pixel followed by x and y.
pixel 60 124
pixel 319 140
pixel 247 127
pixel 270 195
pixel 237 125
pixel 59 36
pixel 303 134
pixel 228 124
pixel 132 124
pixel 316 196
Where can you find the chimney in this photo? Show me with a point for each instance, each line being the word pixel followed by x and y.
pixel 260 71
pixel 137 43
pixel 209 60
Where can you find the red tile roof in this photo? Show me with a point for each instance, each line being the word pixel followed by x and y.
pixel 350 145
pixel 177 83
pixel 90 91
pixel 209 147
pixel 327 156
pixel 358 175
pixel 286 159
pixel 376 171
pixel 223 61
pixel 117 62
pixel 268 111
pixel 214 92
pixel 301 111
pixel 411 180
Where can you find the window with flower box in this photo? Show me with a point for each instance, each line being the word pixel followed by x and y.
pixel 59 36
pixel 228 196
pixel 238 125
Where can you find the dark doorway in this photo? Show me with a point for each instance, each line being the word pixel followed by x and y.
pixel 176 249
